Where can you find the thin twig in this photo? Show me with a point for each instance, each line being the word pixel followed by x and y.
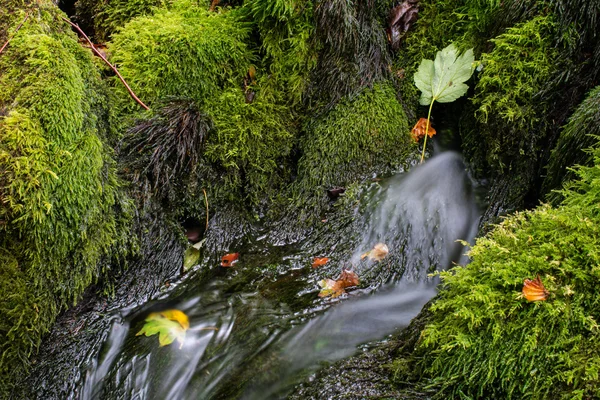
pixel 206 201
pixel 15 32
pixel 95 50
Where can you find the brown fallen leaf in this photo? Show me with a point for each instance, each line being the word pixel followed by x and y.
pixel 400 20
pixel 534 290
pixel 319 261
pixel 228 260
pixel 378 253
pixel 418 131
pixel 335 288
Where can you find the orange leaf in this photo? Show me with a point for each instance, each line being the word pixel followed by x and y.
pixel 335 288
pixel 228 260
pixel 534 290
pixel 319 261
pixel 418 131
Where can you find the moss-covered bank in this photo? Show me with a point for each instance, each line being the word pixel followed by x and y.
pixel 61 210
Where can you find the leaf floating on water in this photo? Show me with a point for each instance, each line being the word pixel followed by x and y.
pixel 335 288
pixel 229 260
pixel 378 253
pixel 169 325
pixel 418 131
pixel 178 316
pixel 534 290
pixel 319 261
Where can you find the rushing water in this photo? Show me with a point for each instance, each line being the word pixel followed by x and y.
pixel 245 344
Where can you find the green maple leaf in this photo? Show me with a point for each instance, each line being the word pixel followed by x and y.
pixel 169 325
pixel 442 80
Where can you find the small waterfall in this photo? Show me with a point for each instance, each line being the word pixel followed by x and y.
pixel 261 348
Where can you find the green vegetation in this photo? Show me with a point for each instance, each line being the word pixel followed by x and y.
pixel 58 184
pixel 484 340
pixel 184 51
pixel 358 136
pixel 251 142
pixel 102 18
pixel 581 132
pixel 511 121
pixel 443 80
pixel 286 29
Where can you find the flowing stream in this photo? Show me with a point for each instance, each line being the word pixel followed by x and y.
pixel 253 337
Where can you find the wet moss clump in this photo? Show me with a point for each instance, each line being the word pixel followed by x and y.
pixel 510 121
pixel 184 51
pixel 60 195
pixel 286 32
pixel 356 138
pixel 485 341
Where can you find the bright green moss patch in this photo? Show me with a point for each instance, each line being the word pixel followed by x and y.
pixel 58 184
pixel 251 141
pixel 183 51
pixel 485 341
pixel 514 73
pixel 359 136
pixel 286 29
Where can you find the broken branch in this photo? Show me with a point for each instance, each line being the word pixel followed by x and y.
pixel 15 32
pixel 95 50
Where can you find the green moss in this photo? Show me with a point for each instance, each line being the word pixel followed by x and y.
pixel 485 341
pixel 286 29
pixel 580 133
pixel 514 73
pixel 369 133
pixel 58 184
pixel 184 51
pixel 250 141
pixel 102 18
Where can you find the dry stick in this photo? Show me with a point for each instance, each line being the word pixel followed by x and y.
pixel 15 32
pixel 107 62
pixel 206 201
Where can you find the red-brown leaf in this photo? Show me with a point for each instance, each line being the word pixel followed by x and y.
pixel 335 288
pixel 534 290
pixel 418 131
pixel 228 260
pixel 319 261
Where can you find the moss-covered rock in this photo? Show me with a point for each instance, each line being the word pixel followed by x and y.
pixel 511 122
pixel 182 51
pixel 286 30
pixel 358 137
pixel 101 18
pixel 58 184
pixel 485 340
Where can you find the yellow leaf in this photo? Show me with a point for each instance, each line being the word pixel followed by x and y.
pixel 177 315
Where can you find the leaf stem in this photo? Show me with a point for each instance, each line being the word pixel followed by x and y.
pixel 426 130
